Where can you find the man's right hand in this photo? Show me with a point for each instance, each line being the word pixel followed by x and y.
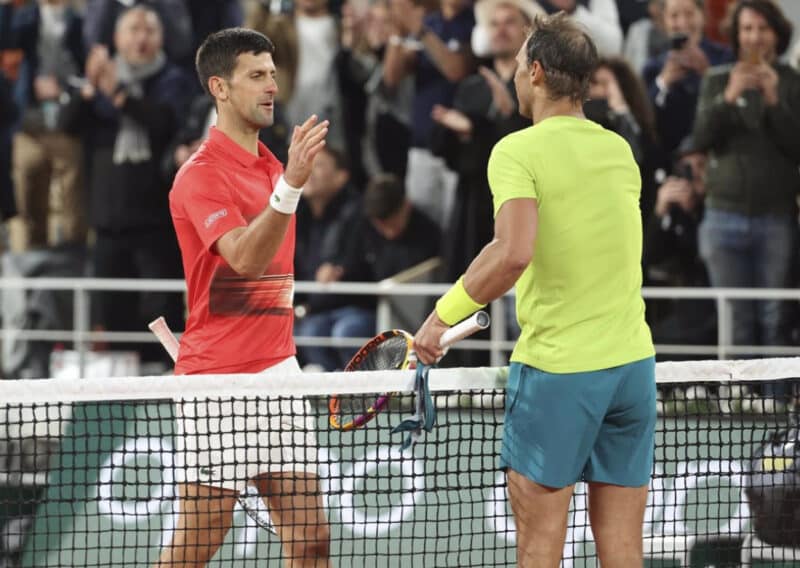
pixel 46 88
pixel 307 141
pixel 675 191
pixel 673 70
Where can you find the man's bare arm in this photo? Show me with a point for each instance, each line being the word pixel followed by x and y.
pixel 500 264
pixel 398 62
pixel 493 272
pixel 454 65
pixel 249 250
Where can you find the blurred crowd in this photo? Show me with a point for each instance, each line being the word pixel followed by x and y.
pixel 100 106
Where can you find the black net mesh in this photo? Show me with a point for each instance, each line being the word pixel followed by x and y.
pixel 101 483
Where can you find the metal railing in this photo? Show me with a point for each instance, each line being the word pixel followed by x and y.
pixel 498 345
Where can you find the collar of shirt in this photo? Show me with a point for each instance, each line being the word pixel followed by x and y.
pixel 221 141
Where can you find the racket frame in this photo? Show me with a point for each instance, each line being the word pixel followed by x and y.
pixel 334 405
pixel 476 322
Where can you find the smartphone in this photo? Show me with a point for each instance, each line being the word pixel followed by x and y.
pixel 685 171
pixel 678 41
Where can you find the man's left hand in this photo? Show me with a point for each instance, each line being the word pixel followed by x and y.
pixel 428 338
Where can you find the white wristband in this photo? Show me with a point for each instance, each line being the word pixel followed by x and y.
pixel 284 198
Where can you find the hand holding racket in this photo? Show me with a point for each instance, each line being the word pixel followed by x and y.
pixel 390 350
pixel 434 337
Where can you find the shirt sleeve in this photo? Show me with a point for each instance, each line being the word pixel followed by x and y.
pixel 509 177
pixel 203 197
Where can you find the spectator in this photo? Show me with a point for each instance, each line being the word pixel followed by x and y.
pixel 129 111
pixel 632 11
pixel 646 38
pixel 377 117
pixel 748 121
pixel 8 115
pixel 102 15
pixel 481 40
pixel 671 255
pixel 600 18
pixel 209 17
pixel 435 48
pixel 673 78
pixel 484 110
pixel 618 101
pixel 329 212
pixel 306 43
pixel 394 234
pixel 49 34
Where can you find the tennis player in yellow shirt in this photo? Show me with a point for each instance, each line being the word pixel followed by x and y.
pixel 581 395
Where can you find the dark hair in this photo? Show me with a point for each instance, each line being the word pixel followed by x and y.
pixel 699 3
pixel 566 53
pixel 216 57
pixel 384 196
pixel 774 16
pixel 634 92
pixel 339 158
pixel 145 9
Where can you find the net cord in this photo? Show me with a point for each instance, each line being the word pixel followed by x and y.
pixel 168 387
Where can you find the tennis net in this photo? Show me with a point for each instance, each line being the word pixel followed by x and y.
pixel 89 475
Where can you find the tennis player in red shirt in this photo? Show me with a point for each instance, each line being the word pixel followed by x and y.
pixel 233 207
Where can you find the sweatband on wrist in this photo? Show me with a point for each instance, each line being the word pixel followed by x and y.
pixel 456 304
pixel 285 198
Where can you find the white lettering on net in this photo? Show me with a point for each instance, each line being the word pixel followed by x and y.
pixel 499 519
pixel 364 525
pixel 687 478
pixel 130 511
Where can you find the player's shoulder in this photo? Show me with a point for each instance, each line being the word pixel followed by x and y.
pixel 517 143
pixel 201 171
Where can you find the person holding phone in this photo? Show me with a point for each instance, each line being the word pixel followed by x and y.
pixel 673 78
pixel 748 118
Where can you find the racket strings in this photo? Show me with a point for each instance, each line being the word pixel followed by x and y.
pixel 390 354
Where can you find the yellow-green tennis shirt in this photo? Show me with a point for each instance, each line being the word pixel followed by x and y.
pixel 579 302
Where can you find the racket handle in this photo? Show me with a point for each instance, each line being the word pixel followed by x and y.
pixel 476 322
pixel 162 331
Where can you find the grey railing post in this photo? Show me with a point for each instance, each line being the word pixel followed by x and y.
pixel 497 332
pixel 81 308
pixel 724 326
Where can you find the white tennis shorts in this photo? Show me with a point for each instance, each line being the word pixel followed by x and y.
pixel 225 442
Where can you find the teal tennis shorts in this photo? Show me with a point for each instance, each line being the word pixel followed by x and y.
pixel 597 426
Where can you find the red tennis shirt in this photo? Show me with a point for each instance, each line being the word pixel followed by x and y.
pixel 235 325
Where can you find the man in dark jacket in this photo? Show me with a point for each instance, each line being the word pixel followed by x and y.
pixel 102 15
pixel 129 111
pixel 673 78
pixel 326 222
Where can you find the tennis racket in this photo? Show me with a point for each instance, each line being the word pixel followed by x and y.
pixel 390 350
pixel 249 499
